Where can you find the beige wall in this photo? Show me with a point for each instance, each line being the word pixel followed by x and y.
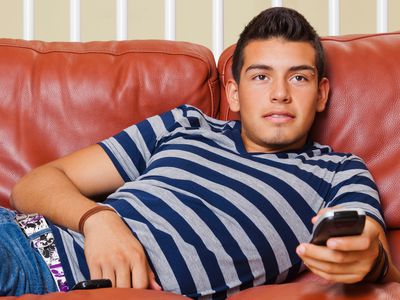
pixel 146 18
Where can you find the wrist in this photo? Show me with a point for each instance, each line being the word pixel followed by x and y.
pixel 379 268
pixel 91 212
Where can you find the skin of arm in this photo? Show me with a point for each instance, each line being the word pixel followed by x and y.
pixel 348 259
pixel 61 191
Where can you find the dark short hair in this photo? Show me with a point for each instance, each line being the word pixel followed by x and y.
pixel 278 22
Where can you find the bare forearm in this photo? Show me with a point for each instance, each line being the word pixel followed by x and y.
pixel 48 191
pixel 61 190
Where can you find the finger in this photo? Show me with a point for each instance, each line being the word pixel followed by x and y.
pixel 343 278
pixel 94 270
pixel 123 278
pixel 108 273
pixel 153 283
pixel 140 277
pixel 321 212
pixel 349 243
pixel 326 254
pixel 335 268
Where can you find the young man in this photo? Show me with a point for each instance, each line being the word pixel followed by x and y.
pixel 206 208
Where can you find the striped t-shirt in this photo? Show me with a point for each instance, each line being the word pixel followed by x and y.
pixel 213 218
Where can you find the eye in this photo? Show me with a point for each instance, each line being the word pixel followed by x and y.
pixel 300 78
pixel 260 77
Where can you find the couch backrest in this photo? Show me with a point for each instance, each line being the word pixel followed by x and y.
pixel 58 97
pixel 363 115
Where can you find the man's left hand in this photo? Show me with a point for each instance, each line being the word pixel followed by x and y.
pixel 343 259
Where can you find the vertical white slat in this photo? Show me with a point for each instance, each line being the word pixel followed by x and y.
pixel 276 3
pixel 29 19
pixel 218 28
pixel 170 20
pixel 122 19
pixel 74 20
pixel 334 17
pixel 381 16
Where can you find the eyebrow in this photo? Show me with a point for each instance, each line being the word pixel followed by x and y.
pixel 291 69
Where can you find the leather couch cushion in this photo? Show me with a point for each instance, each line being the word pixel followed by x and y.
pixel 316 291
pixel 362 116
pixel 57 97
pixel 393 237
pixel 103 294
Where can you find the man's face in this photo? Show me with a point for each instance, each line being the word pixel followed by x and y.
pixel 278 94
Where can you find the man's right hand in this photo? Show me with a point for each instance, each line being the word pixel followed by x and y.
pixel 113 252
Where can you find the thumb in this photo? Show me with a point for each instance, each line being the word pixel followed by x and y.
pixel 321 212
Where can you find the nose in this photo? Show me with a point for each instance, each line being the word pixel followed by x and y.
pixel 280 91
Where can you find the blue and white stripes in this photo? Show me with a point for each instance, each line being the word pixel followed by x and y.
pixel 213 218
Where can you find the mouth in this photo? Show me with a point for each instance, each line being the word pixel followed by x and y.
pixel 279 117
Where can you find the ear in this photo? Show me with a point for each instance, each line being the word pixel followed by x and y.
pixel 232 95
pixel 323 93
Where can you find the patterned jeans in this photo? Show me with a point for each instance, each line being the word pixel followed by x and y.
pixel 22 269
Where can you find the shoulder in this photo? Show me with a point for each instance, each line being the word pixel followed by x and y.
pixel 335 161
pixel 327 151
pixel 196 118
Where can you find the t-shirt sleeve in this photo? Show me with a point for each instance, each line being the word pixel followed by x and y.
pixel 131 149
pixel 354 187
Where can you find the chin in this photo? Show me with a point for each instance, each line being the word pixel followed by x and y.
pixel 284 144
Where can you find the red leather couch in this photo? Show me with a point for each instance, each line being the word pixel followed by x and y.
pixel 58 97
